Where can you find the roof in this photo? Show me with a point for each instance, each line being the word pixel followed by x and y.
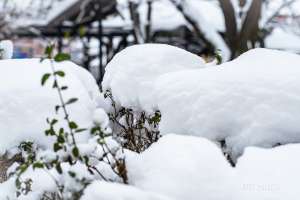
pixel 84 11
pixel 53 13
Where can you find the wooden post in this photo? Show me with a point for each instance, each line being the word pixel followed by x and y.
pixel 100 38
pixel 149 22
pixel 60 40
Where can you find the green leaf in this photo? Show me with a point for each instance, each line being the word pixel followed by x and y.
pixel 23 168
pixel 73 125
pixel 61 138
pixel 94 130
pixel 61 130
pixel 72 100
pixel 64 88
pixel 72 174
pixel 58 168
pixel 45 78
pixel 60 73
pixel 50 132
pixel 49 50
pixel 80 130
pixel 54 121
pixel 86 159
pixel 56 147
pixel 57 107
pixel 38 165
pixel 47 132
pixel 82 31
pixel 18 183
pixel 75 152
pixel 62 57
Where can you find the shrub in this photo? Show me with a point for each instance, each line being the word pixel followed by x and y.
pixel 67 159
pixel 135 130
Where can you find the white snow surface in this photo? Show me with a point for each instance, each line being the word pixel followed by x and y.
pixel 25 104
pixel 188 167
pixel 131 74
pixel 183 167
pixel 269 173
pixel 251 101
pixel 115 191
pixel 34 12
pixel 100 118
pixel 284 40
pixel 165 15
pixel 41 182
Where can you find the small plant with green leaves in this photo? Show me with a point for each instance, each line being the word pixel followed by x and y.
pixel 68 155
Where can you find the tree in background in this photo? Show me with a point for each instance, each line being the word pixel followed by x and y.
pixel 243 27
pixel 243 30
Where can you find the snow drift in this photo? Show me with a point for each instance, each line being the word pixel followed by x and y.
pixel 131 74
pixel 25 104
pixel 183 167
pixel 189 167
pixel 251 101
pixel 114 191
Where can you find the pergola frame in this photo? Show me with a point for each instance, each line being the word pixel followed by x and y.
pixel 58 28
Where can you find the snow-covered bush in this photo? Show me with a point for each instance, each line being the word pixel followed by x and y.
pixel 70 157
pixel 131 74
pixel 134 129
pixel 85 154
pixel 251 101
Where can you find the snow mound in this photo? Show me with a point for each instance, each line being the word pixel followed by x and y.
pixel 188 167
pixel 114 191
pixel 25 104
pixel 251 101
pixel 41 182
pixel 183 167
pixel 132 72
pixel 269 173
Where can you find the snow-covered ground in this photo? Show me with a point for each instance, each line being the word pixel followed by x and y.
pixel 250 101
pixel 187 167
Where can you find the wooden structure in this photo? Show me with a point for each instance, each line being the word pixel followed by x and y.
pixel 83 19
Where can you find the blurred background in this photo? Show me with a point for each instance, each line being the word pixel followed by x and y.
pixel 93 31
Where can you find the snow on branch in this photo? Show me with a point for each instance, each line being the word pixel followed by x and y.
pixel 203 30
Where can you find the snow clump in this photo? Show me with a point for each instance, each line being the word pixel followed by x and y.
pixel 250 101
pixel 28 104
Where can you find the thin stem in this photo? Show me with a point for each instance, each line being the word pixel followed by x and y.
pixel 63 105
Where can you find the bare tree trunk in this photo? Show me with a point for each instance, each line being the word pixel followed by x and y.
pixel 250 28
pixel 238 42
pixel 135 18
pixel 148 24
pixel 231 33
